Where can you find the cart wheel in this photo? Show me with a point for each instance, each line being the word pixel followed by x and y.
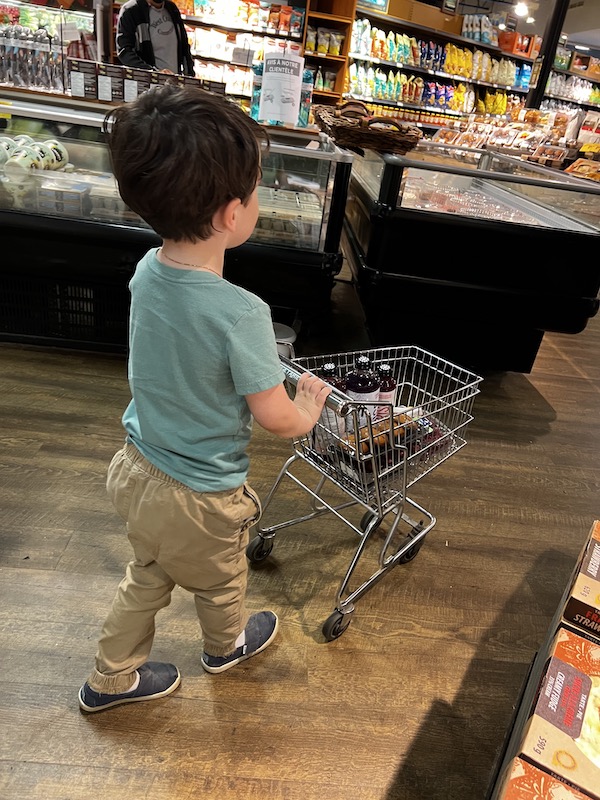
pixel 259 549
pixel 366 519
pixel 335 625
pixel 412 551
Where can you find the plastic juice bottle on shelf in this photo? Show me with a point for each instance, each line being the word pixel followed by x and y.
pixel 362 386
pixel 387 390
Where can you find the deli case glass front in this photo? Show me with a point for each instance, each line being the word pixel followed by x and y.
pixel 75 243
pixel 472 254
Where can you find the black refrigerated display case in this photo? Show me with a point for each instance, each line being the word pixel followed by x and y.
pixel 472 254
pixel 74 243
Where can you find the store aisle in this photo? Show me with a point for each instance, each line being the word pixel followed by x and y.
pixel 413 701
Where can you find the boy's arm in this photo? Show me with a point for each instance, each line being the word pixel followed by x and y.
pixel 277 413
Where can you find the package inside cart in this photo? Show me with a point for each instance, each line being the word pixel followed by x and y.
pixel 367 454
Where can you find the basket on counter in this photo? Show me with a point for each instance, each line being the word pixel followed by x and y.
pixel 350 125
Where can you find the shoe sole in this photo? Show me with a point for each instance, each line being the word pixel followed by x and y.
pixel 231 664
pixel 93 709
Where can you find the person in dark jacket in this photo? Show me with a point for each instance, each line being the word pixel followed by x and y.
pixel 151 35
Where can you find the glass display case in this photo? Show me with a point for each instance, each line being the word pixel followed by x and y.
pixel 455 250
pixel 77 243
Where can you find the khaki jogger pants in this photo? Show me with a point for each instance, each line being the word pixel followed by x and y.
pixel 179 537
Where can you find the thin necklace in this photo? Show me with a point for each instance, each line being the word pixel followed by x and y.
pixel 185 264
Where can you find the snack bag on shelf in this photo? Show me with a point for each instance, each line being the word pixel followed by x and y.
pixel 419 90
pixel 391 86
pixel 415 52
pixel 410 89
pixel 336 41
pixel 391 47
pixel 398 86
pixel 311 39
pixel 486 67
pixel 380 45
pixel 285 20
pixel 297 21
pixel 353 78
pixel 495 71
pixel 403 88
pixel 406 48
pixel 476 68
pixel 323 40
pixel 442 57
pixel 440 95
pixel 467 63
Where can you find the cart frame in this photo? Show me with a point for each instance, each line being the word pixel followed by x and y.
pixel 373 453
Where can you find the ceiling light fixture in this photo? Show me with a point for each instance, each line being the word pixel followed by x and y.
pixel 530 20
pixel 521 9
pixel 581 47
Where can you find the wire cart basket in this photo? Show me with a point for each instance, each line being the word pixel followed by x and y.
pixel 374 453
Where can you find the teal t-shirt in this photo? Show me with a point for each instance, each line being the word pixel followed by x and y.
pixel 197 345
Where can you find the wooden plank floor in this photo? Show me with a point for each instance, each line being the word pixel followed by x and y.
pixel 411 703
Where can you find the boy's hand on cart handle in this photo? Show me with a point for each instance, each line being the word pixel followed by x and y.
pixel 311 394
pixel 276 412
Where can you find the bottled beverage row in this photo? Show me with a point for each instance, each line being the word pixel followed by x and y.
pixel 365 383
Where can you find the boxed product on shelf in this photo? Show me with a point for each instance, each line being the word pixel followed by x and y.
pixel 582 608
pixel 135 82
pixel 519 44
pixel 111 86
pixel 503 136
pixel 562 58
pixel 445 135
pixel 562 733
pixel 83 78
pixel 63 196
pixel 549 155
pixel 524 781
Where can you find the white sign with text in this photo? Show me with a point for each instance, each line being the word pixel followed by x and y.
pixel 281 87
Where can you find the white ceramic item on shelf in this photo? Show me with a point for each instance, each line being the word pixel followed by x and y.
pixel 61 154
pixel 8 143
pixel 22 161
pixel 46 153
pixel 23 139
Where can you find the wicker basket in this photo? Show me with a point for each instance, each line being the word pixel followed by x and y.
pixel 351 126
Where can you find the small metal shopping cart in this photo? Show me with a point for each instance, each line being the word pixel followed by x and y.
pixel 370 455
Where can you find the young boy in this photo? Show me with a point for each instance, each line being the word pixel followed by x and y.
pixel 202 362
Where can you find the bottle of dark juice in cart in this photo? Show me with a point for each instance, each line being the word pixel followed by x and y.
pixel 387 391
pixel 362 386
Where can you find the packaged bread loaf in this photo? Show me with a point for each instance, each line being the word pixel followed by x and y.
pixel 381 433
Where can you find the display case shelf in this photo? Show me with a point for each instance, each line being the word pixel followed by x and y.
pixel 75 235
pixel 451 248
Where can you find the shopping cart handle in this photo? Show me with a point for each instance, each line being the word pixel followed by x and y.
pixel 336 400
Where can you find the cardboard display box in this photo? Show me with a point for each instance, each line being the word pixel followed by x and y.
pixel 83 78
pixel 582 608
pixel 516 43
pixel 524 781
pixel 562 734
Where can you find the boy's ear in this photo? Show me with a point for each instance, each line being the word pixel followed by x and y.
pixel 226 217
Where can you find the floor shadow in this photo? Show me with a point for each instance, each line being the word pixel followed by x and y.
pixel 466 738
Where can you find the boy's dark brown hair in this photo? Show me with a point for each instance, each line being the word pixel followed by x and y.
pixel 181 153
